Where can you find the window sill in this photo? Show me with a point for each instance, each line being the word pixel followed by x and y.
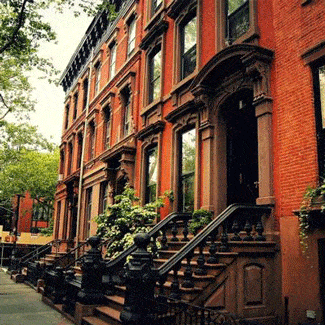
pixel 151 106
pixel 184 82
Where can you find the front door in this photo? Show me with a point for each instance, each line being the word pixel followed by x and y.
pixel 242 154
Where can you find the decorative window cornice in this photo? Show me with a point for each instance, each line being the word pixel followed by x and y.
pixel 177 6
pixel 314 53
pixel 150 130
pixel 155 32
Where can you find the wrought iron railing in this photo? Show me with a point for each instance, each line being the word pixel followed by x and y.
pixel 233 220
pixel 37 253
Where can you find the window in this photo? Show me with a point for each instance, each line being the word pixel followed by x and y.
pixel 155 6
pixel 66 116
pixel 80 141
pixel 89 197
pixel 103 197
pixel 319 89
pixel 91 147
pixel 57 223
pixel 131 39
pixel 187 170
pixel 97 77
pixel 154 75
pixel 62 162
pixel 151 174
pixel 126 98
pixel 112 62
pixel 75 108
pixel 188 33
pixel 107 128
pixel 237 13
pixel 85 90
pixel 70 149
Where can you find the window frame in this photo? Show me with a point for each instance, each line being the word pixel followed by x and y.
pixel 66 123
pixel 182 26
pixel 75 105
pixel 131 27
pixel 126 94
pixel 88 208
pixel 80 144
pixel 319 115
pixel 97 68
pixel 181 176
pixel 103 201
pixel 70 158
pixel 85 86
pixel 147 188
pixel 151 80
pixel 107 127
pixel 112 63
pixel 91 140
pixel 154 8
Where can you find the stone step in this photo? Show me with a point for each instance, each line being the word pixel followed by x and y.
pixel 116 302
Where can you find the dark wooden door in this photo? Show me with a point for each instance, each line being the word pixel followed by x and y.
pixel 242 155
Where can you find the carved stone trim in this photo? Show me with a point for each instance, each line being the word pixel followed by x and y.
pixel 150 130
pixel 314 53
pixel 182 111
pixel 176 7
pixel 160 28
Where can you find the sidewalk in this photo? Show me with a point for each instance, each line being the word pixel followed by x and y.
pixel 21 305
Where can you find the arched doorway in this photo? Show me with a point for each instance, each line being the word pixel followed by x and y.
pixel 240 122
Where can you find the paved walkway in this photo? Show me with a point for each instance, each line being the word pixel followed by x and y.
pixel 21 305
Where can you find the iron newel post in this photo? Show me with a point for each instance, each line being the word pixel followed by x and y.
pixel 140 283
pixel 92 272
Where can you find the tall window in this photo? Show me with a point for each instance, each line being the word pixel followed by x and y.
pixel 70 148
pixel 107 128
pixel 126 97
pixel 237 18
pixel 131 36
pixel 112 62
pixel 67 108
pixel 85 92
pixel 154 75
pixel 151 174
pixel 103 197
pixel 187 170
pixel 91 146
pixel 155 6
pixel 188 33
pixel 75 107
pixel 89 198
pixel 80 141
pixel 57 223
pixel 97 77
pixel 62 162
pixel 319 89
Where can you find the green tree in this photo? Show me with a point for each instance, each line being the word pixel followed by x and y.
pixel 22 29
pixel 28 162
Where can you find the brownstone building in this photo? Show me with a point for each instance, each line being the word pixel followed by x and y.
pixel 223 101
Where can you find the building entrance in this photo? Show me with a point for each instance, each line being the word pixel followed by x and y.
pixel 242 152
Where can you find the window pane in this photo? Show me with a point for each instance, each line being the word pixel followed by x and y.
pixel 238 18
pixel 188 169
pixel 321 72
pixel 156 4
pixel 131 41
pixel 155 82
pixel 188 57
pixel 152 175
pixel 190 35
pixel 233 5
pixel 112 62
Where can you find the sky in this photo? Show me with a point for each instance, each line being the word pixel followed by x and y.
pixel 49 108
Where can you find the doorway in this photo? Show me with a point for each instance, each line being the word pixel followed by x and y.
pixel 242 149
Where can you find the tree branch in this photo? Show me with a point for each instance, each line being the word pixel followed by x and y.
pixel 20 23
pixel 8 108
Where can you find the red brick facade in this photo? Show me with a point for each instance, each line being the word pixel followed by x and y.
pixel 266 67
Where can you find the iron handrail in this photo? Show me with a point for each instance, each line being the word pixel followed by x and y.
pixel 207 231
pixel 37 251
pixel 57 261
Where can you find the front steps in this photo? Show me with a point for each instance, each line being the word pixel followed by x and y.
pixel 216 288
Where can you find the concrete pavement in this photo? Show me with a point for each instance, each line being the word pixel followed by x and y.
pixel 21 305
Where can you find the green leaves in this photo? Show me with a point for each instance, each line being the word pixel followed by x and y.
pixel 124 219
